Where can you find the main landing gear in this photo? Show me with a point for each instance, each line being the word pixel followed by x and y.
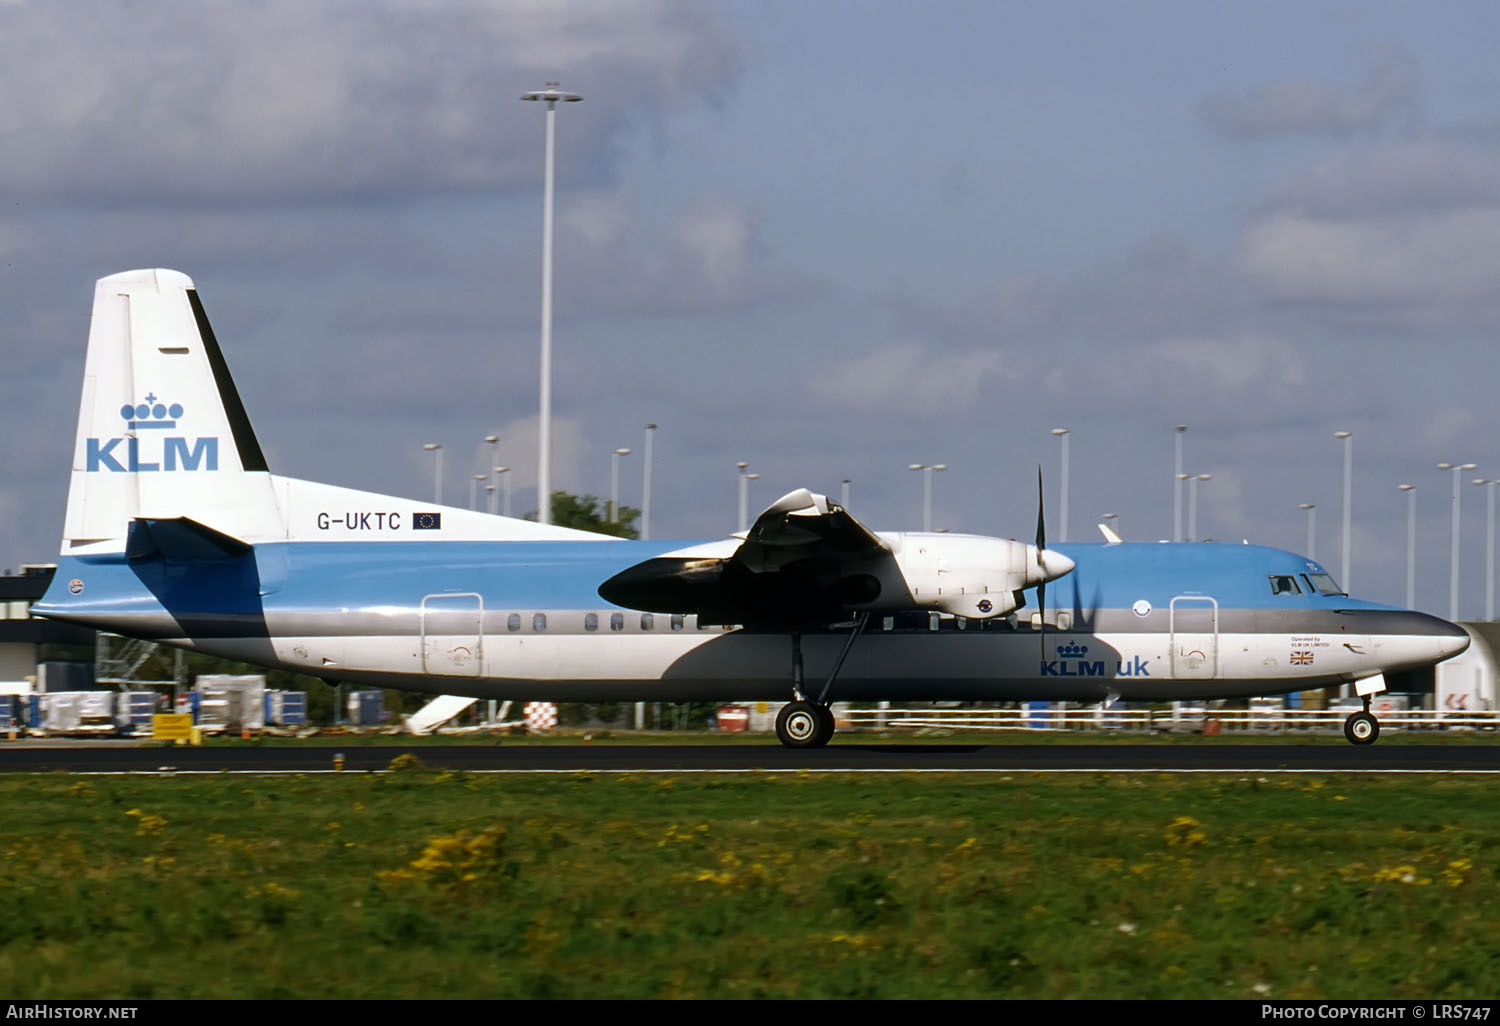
pixel 1361 728
pixel 804 722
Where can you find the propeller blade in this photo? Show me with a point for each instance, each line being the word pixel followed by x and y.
pixel 1041 520
pixel 1041 546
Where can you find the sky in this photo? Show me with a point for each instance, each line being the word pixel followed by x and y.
pixel 828 239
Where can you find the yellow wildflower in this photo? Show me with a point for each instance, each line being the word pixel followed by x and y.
pixel 1184 832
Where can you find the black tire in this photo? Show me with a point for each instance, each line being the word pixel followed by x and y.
pixel 825 718
pixel 1361 729
pixel 803 725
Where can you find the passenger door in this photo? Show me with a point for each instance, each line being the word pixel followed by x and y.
pixel 451 641
pixel 1194 624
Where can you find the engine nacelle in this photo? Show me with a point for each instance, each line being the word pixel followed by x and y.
pixel 973 575
pixel 979 605
pixel 785 581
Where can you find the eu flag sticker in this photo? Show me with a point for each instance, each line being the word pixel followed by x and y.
pixel 426 521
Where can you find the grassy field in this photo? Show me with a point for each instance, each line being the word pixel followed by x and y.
pixel 423 884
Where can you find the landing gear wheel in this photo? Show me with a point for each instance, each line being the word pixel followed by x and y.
pixel 1361 728
pixel 825 720
pixel 804 725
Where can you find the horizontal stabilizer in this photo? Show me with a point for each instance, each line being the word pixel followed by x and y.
pixel 181 540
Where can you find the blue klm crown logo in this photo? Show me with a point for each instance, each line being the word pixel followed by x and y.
pixel 1072 664
pixel 127 455
pixel 151 414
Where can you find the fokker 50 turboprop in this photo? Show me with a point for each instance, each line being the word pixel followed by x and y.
pixel 177 532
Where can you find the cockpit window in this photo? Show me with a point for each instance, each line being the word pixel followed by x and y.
pixel 1325 584
pixel 1285 584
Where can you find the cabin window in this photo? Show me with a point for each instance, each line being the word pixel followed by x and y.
pixel 648 622
pixel 1064 621
pixel 677 621
pixel 513 622
pixel 591 621
pixel 1284 584
pixel 538 621
pixel 887 623
pixel 617 621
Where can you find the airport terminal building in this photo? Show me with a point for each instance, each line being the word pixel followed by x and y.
pixel 32 648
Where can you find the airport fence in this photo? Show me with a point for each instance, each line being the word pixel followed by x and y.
pixel 1179 719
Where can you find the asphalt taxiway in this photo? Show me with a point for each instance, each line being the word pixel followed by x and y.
pixel 1326 757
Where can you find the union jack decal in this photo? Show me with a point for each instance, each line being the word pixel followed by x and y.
pixel 1302 657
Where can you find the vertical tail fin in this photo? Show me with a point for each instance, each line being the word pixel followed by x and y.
pixel 162 433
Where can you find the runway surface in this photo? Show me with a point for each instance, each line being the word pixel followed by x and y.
pixel 1325 757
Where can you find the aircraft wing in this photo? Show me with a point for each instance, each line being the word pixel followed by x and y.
pixel 806 531
pixel 804 561
pixel 807 562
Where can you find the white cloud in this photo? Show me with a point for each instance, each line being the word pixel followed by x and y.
pixel 1405 235
pixel 599 219
pixel 1426 260
pixel 709 257
pixel 913 381
pixel 1309 107
pixel 1017 311
pixel 1410 175
pixel 717 234
pixel 1226 366
pixel 1448 428
pixel 518 450
pixel 223 101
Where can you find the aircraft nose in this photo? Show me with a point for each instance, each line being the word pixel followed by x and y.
pixel 1439 639
pixel 1054 563
pixel 1454 641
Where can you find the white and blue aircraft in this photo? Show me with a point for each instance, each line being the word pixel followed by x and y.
pixel 178 532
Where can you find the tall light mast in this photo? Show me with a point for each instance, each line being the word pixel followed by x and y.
pixel 551 95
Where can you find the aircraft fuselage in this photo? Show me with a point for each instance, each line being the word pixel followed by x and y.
pixel 523 620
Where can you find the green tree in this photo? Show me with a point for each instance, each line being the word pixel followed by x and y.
pixel 587 513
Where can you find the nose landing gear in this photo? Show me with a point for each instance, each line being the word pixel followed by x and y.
pixel 1362 728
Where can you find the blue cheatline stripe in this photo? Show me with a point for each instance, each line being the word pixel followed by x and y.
pixel 559 575
pixel 566 575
